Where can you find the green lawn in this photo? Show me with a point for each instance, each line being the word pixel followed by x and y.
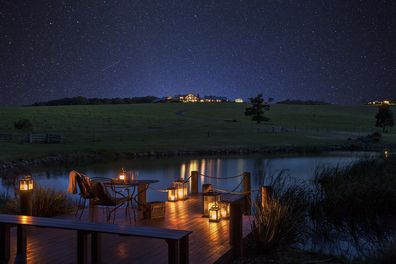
pixel 171 127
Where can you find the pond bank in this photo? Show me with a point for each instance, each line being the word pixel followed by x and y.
pixel 84 158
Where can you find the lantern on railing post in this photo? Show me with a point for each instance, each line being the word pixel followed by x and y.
pixel 26 186
pixel 224 210
pixel 172 194
pixel 181 189
pixel 214 213
pixel 209 199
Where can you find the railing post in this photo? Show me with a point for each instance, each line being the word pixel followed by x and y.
pixel 206 187
pixel 236 227
pixel 194 182
pixel 247 190
pixel 96 244
pixel 82 247
pixel 142 188
pixel 4 243
pixel 265 193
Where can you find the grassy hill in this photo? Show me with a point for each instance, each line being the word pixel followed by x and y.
pixel 171 127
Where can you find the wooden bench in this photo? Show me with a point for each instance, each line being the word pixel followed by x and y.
pixel 44 138
pixel 178 248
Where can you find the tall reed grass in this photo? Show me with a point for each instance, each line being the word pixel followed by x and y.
pixel 282 222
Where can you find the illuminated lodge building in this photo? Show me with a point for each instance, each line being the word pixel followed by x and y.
pixel 388 102
pixel 189 98
pixel 192 98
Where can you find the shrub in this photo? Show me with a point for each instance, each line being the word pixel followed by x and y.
pixel 23 124
pixel 47 202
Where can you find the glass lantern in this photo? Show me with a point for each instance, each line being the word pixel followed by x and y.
pixel 181 189
pixel 26 183
pixel 172 194
pixel 214 213
pixel 122 176
pixel 209 199
pixel 224 210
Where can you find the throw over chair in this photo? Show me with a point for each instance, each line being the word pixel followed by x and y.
pixel 106 199
pixel 86 192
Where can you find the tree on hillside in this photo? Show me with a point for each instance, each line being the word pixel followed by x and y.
pixel 384 117
pixel 23 124
pixel 256 111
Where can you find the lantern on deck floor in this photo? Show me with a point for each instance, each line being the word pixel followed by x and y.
pixel 209 199
pixel 172 194
pixel 214 213
pixel 181 189
pixel 26 183
pixel 224 210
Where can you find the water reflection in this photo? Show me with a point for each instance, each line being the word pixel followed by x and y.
pixel 170 169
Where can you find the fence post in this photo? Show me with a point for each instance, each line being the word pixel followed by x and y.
pixel 265 193
pixel 194 182
pixel 247 190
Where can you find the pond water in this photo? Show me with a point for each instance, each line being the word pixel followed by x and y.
pixel 167 170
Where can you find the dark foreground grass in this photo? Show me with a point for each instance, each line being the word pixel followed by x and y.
pixel 47 202
pixel 349 209
pixel 181 127
pixel 357 203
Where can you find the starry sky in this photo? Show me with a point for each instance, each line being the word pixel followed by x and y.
pixel 338 51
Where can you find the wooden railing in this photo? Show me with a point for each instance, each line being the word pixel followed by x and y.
pixel 178 245
pixel 44 138
pixel 5 137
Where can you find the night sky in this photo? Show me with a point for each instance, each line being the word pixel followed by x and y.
pixel 337 51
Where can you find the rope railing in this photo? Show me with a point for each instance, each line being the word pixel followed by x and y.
pixel 221 178
pixel 231 192
pixel 158 190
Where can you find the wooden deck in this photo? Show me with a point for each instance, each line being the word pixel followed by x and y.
pixel 208 242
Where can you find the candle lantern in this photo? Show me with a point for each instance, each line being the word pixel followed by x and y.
pixel 172 194
pixel 181 189
pixel 210 199
pixel 26 183
pixel 214 213
pixel 26 186
pixel 224 210
pixel 123 175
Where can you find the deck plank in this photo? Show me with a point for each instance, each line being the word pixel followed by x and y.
pixel 208 242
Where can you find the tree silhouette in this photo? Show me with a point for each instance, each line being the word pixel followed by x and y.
pixel 384 117
pixel 257 109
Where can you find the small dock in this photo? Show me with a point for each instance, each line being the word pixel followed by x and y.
pixel 208 241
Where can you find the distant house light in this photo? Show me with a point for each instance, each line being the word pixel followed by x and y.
pixel 238 100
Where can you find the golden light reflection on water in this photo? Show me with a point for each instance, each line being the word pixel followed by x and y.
pixel 182 171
